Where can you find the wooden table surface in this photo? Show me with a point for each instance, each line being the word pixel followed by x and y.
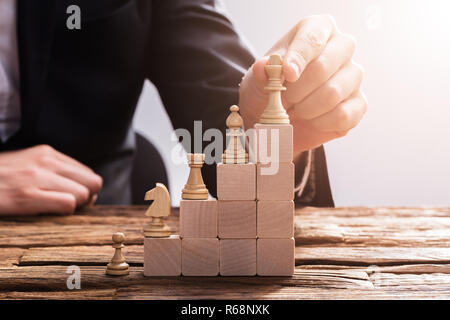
pixel 344 253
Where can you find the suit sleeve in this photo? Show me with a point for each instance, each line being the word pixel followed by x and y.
pixel 197 60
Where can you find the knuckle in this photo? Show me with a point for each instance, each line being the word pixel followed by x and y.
pixel 23 194
pixel 44 149
pixel 46 160
pixel 341 133
pixel 30 172
pixel 343 120
pixel 350 42
pixel 332 95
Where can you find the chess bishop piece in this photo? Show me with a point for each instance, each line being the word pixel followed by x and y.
pixel 118 266
pixel 158 209
pixel 195 188
pixel 235 152
pixel 274 112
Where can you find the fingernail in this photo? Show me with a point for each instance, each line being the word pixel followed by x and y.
pixel 296 69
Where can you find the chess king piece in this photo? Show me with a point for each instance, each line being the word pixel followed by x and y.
pixel 158 209
pixel 195 188
pixel 274 112
pixel 118 266
pixel 235 152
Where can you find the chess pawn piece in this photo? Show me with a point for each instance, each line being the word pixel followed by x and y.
pixel 274 112
pixel 195 188
pixel 158 209
pixel 235 152
pixel 118 266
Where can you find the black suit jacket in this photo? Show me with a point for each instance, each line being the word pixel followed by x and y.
pixel 79 88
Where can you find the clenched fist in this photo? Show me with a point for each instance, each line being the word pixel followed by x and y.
pixel 323 97
pixel 43 180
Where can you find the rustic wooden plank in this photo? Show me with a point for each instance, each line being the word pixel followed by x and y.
pixel 337 251
pixel 280 293
pixel 396 269
pixel 348 256
pixel 358 212
pixel 67 235
pixel 343 226
pixel 80 229
pixel 337 227
pixel 10 256
pixel 372 231
pixel 389 282
pixel 312 234
pixel 107 294
pixel 412 269
pixel 371 255
pixel 50 278
pixel 80 255
pixel 95 211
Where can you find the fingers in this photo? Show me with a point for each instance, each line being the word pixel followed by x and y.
pixel 344 117
pixel 87 178
pixel 56 202
pixel 68 167
pixel 42 201
pixel 308 42
pixel 54 182
pixel 331 93
pixel 337 53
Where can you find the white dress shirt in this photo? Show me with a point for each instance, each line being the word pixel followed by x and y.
pixel 9 71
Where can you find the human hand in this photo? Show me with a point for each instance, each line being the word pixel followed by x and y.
pixel 323 97
pixel 43 180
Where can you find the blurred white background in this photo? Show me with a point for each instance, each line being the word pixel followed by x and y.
pixel 400 154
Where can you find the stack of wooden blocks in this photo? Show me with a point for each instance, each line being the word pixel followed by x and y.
pixel 249 229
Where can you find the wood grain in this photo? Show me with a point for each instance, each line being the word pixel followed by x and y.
pixel 265 145
pixel 275 219
pixel 275 257
pixel 200 257
pixel 162 256
pixel 277 186
pixel 236 181
pixel 237 219
pixel 342 253
pixel 198 218
pixel 237 257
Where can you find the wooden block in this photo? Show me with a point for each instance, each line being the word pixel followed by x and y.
pixel 236 181
pixel 277 186
pixel 200 256
pixel 198 218
pixel 237 219
pixel 275 257
pixel 275 219
pixel 162 256
pixel 274 142
pixel 237 257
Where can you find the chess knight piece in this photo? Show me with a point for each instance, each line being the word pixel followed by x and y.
pixel 235 152
pixel 158 209
pixel 118 266
pixel 195 188
pixel 274 112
